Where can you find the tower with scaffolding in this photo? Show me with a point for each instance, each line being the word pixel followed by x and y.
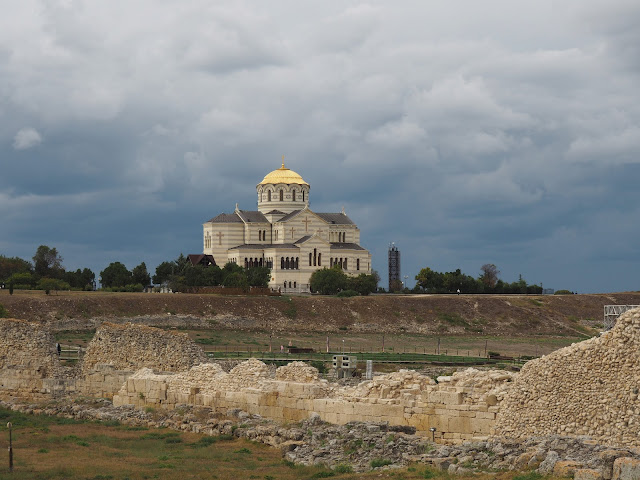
pixel 394 268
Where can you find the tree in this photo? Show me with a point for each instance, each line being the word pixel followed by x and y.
pixel 164 271
pixel 9 266
pixel 489 274
pixel 115 275
pixel 21 280
pixel 48 262
pixel 140 275
pixel 363 284
pixel 430 280
pixel 48 284
pixel 258 276
pixel 328 281
pixel 237 280
pixel 80 279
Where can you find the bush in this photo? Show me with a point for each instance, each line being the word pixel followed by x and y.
pixel 3 312
pixel 563 292
pixel 322 368
pixel 343 468
pixel 347 293
pixel 380 462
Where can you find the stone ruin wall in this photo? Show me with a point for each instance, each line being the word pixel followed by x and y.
pixel 130 347
pixel 460 407
pixel 28 357
pixel 589 388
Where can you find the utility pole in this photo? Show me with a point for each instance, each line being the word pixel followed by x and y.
pixel 10 448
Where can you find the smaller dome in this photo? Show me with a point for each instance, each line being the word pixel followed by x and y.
pixel 283 175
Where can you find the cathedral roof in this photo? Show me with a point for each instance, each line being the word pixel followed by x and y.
pixel 252 216
pixel 226 218
pixel 289 215
pixel 240 216
pixel 264 246
pixel 283 175
pixel 345 246
pixel 336 218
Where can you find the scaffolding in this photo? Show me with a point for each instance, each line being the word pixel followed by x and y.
pixel 612 312
pixel 394 266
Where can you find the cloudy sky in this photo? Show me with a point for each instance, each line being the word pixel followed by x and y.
pixel 466 132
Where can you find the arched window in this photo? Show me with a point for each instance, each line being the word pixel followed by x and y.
pixel 293 195
pixel 259 235
pixel 246 262
pixel 260 263
pixel 281 263
pixel 310 258
pixel 289 284
pixel 303 195
pixel 319 258
pixel 269 195
pixel 297 263
pixel 345 264
pixel 358 264
pixel 281 195
pixel 286 263
pixel 294 284
pixel 340 263
pixel 315 257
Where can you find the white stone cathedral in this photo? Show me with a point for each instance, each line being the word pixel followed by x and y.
pixel 285 235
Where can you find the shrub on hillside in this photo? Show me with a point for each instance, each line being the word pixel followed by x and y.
pixel 347 293
pixel 563 292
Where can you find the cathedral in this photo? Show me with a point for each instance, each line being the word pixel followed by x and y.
pixel 285 235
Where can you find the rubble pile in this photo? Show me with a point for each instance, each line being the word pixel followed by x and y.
pixel 589 388
pixel 297 372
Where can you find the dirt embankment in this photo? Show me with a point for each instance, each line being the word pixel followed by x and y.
pixel 427 314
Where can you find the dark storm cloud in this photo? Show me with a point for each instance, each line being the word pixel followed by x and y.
pixel 468 132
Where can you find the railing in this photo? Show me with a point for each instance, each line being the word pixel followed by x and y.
pixel 70 352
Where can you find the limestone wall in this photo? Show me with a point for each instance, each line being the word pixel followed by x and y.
pixel 590 388
pixel 130 347
pixel 460 407
pixel 27 356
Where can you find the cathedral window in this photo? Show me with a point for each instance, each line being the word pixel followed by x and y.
pixel 297 263
pixel 358 264
pixel 294 195
pixel 269 195
pixel 246 262
pixel 303 195
pixel 319 258
pixel 310 258
pixel 281 263
pixel 286 263
pixel 259 235
pixel 345 263
pixel 294 284
pixel 281 195
pixel 315 257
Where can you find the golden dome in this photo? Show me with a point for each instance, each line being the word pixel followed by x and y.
pixel 283 175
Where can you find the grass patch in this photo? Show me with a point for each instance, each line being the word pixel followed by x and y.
pixel 380 462
pixel 453 319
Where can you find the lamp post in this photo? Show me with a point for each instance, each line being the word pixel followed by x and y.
pixel 10 448
pixel 406 277
pixel 433 434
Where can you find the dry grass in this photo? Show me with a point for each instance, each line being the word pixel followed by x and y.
pixel 48 448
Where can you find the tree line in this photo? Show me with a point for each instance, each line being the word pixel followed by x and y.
pixel 430 281
pixel 46 272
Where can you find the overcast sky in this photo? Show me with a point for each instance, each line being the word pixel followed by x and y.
pixel 466 132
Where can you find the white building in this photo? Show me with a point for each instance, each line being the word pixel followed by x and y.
pixel 285 235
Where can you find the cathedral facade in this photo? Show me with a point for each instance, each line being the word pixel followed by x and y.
pixel 285 235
